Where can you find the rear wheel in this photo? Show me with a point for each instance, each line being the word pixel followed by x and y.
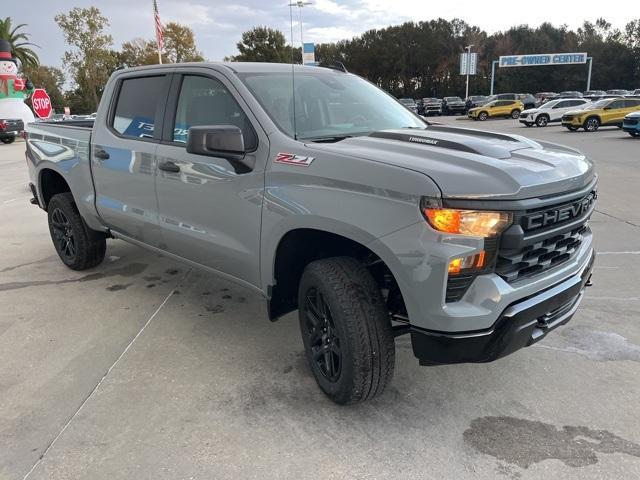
pixel 483 116
pixel 542 121
pixel 515 114
pixel 591 124
pixel 8 140
pixel 345 329
pixel 77 245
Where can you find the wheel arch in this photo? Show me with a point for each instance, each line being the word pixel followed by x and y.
pixel 299 246
pixel 50 183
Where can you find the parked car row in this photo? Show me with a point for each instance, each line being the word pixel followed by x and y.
pixel 574 110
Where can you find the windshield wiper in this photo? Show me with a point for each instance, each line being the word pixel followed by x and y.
pixel 327 139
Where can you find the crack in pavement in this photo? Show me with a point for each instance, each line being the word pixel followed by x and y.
pixel 617 218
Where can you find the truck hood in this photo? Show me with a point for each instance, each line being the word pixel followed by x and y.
pixel 467 163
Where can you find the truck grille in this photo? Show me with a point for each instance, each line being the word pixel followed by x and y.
pixel 543 238
pixel 533 259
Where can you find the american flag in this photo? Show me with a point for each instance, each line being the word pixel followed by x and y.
pixel 159 32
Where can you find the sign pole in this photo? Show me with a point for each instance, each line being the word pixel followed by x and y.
pixel 468 69
pixel 590 60
pixel 493 74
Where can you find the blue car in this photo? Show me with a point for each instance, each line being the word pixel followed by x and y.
pixel 631 124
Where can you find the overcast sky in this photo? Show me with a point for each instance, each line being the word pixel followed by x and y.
pixel 218 24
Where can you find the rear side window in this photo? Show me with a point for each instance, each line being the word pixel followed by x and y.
pixel 205 101
pixel 617 104
pixel 138 102
pixel 632 103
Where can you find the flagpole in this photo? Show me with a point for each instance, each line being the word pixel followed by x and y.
pixel 158 28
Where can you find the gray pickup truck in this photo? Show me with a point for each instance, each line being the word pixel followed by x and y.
pixel 320 192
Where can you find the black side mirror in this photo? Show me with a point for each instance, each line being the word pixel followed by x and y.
pixel 225 141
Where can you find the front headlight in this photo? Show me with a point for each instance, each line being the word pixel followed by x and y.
pixel 475 223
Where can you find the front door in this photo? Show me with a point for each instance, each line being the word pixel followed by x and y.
pixel 123 157
pixel 210 209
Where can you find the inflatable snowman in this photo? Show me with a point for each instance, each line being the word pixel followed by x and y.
pixel 13 90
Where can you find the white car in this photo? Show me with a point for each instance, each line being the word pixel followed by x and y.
pixel 551 111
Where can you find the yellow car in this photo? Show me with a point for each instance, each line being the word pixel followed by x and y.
pixel 497 108
pixel 608 111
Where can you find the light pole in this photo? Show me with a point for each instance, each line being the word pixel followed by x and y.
pixel 468 48
pixel 300 4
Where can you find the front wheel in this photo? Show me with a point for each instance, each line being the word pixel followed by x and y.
pixel 542 121
pixel 77 245
pixel 515 114
pixel 591 124
pixel 8 140
pixel 483 116
pixel 345 329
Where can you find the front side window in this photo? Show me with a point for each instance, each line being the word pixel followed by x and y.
pixel 137 104
pixel 327 104
pixel 205 101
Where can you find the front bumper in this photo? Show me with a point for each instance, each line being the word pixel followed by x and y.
pixel 631 128
pixel 521 324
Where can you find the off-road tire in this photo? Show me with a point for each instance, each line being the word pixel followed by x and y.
pixel 356 314
pixel 77 245
pixel 542 121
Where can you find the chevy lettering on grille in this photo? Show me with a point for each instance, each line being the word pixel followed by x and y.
pixel 555 215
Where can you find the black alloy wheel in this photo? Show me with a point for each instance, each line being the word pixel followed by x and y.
pixel 63 235
pixel 323 335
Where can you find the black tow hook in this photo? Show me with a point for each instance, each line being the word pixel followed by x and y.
pixel 589 282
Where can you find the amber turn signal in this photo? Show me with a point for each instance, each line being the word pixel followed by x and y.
pixel 473 262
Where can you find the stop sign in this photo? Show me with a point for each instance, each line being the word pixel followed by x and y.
pixel 41 103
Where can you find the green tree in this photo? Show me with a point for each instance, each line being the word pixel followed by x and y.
pixel 138 52
pixel 49 78
pixel 90 59
pixel 179 44
pixel 264 44
pixel 20 44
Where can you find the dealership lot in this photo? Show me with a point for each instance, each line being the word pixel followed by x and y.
pixel 144 368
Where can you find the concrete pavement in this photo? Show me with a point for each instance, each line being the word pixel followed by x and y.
pixel 143 368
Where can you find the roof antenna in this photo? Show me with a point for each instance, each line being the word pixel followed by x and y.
pixel 293 74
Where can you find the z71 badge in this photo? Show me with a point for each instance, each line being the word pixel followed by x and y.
pixel 291 159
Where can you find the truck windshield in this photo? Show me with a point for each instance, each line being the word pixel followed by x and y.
pixel 329 105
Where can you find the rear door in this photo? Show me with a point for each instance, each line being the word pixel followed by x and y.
pixel 123 156
pixel 210 208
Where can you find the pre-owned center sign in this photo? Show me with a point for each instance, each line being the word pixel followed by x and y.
pixel 542 59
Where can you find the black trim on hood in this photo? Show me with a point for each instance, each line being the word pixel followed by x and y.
pixel 424 140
